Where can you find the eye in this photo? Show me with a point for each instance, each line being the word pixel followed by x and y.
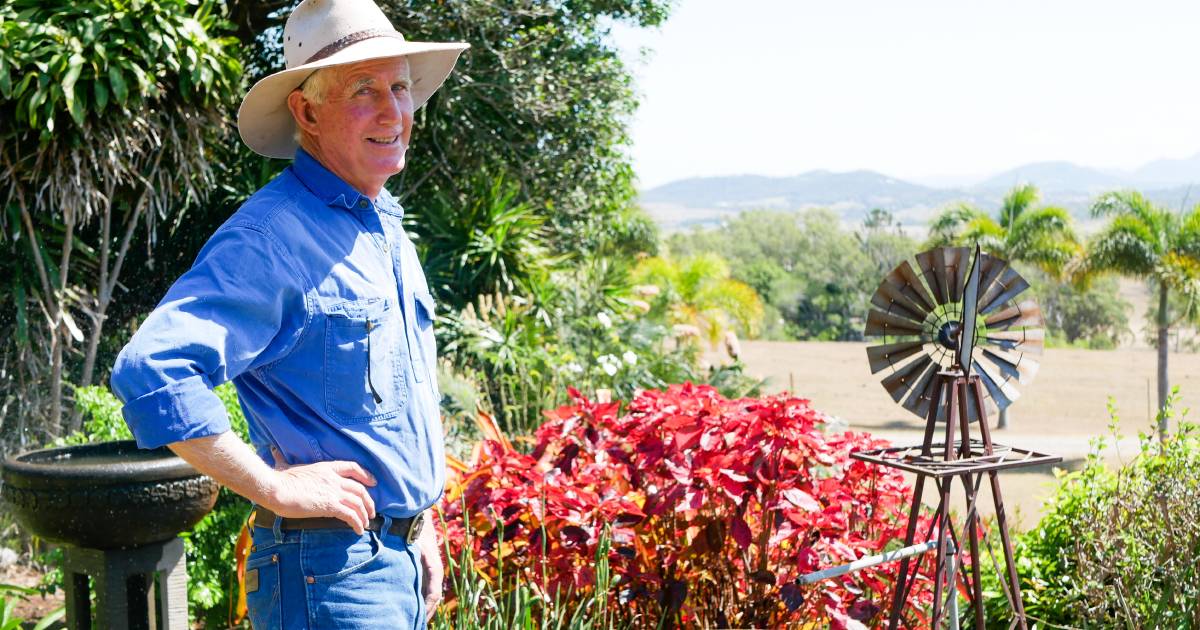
pixel 399 87
pixel 363 91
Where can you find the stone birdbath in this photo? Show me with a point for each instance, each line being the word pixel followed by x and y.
pixel 118 511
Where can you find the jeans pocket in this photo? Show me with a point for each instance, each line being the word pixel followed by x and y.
pixel 372 583
pixel 329 556
pixel 263 593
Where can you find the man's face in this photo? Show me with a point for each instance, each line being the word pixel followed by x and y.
pixel 361 131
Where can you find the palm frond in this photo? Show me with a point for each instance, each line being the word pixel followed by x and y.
pixel 1127 246
pixel 1016 202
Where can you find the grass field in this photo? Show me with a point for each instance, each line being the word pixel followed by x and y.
pixel 1060 412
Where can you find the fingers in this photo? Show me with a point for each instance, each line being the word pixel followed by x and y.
pixel 280 462
pixel 359 513
pixel 351 470
pixel 353 514
pixel 357 489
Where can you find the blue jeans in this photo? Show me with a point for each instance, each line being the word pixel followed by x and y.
pixel 332 579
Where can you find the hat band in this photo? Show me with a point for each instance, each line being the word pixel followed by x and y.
pixel 352 38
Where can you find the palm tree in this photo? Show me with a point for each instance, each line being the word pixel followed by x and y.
pixel 701 293
pixel 1042 236
pixel 1151 242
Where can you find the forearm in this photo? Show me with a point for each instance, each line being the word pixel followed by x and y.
pixel 332 488
pixel 229 460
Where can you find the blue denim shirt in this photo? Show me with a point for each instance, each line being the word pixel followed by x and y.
pixel 312 300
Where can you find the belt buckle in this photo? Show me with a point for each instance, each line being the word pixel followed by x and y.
pixel 414 529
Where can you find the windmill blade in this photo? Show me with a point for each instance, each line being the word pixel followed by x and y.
pixel 1007 286
pixel 908 283
pixel 889 355
pixel 989 271
pixel 1012 365
pixel 899 382
pixel 1026 314
pixel 954 262
pixel 1000 390
pixel 1019 340
pixel 893 301
pixel 880 323
pixel 934 274
pixel 921 395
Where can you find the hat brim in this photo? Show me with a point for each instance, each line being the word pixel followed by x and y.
pixel 265 123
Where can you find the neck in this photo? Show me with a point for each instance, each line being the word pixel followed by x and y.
pixel 370 189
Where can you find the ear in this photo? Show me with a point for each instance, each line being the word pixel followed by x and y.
pixel 302 112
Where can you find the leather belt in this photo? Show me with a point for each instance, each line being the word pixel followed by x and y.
pixel 407 528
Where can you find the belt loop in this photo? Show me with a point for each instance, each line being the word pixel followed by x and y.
pixel 386 528
pixel 277 528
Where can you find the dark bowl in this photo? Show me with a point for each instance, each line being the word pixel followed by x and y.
pixel 105 496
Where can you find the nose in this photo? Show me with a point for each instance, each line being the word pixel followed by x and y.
pixel 395 107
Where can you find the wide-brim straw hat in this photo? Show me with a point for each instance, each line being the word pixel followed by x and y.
pixel 324 33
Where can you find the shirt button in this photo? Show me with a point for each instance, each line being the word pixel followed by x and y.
pixel 362 203
pixel 309 579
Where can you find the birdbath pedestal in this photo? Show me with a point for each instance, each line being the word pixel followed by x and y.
pixel 117 510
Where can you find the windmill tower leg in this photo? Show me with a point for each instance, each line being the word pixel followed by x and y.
pixel 1014 581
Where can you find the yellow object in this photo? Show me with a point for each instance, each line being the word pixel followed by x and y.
pixel 240 553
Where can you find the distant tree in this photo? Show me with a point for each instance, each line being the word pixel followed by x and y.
pixel 1093 315
pixel 699 291
pixel 1147 241
pixel 806 265
pixel 1043 236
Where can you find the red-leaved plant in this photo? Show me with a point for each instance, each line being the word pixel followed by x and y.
pixel 713 507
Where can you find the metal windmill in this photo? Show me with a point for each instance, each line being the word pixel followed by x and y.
pixel 956 342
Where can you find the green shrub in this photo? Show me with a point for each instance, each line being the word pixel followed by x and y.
pixel 1117 548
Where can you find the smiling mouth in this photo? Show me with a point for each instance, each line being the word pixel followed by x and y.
pixel 389 140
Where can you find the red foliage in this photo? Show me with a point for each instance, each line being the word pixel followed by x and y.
pixel 714 507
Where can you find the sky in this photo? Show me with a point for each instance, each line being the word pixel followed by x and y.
pixel 936 91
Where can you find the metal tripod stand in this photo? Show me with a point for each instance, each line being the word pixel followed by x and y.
pixel 957 402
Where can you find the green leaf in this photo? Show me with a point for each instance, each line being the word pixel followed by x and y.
pixel 118 84
pixel 101 92
pixel 51 618
pixel 74 105
pixel 5 81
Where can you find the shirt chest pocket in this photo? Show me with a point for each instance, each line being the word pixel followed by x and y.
pixel 364 369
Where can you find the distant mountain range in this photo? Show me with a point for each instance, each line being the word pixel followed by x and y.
pixel 709 200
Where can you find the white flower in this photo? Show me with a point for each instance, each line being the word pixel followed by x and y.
pixel 573 367
pixel 609 363
pixel 630 357
pixel 605 320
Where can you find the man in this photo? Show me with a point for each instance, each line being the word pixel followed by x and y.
pixel 312 300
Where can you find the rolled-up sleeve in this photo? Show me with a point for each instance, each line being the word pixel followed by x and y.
pixel 240 306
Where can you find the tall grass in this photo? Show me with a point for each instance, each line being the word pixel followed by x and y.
pixel 513 602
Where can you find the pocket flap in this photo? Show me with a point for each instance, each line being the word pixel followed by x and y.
pixel 425 301
pixel 366 309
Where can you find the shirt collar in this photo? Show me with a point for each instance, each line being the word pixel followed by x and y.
pixel 323 183
pixel 333 190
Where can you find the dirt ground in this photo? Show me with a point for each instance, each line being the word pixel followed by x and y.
pixel 1060 412
pixel 34 607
